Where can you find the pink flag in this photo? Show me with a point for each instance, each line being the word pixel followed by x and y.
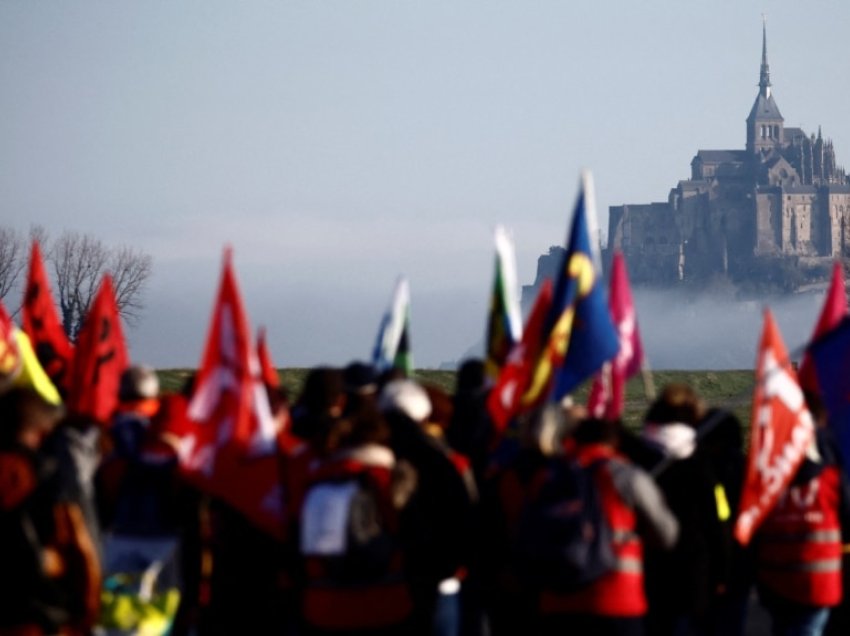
pixel 834 309
pixel 607 395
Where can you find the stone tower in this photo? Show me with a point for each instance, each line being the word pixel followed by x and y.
pixel 765 125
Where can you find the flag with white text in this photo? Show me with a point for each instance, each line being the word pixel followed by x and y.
pixel 607 394
pixel 782 432
pixel 229 440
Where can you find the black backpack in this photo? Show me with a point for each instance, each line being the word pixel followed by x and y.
pixel 563 541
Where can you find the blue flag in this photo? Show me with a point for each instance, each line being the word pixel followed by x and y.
pixel 831 355
pixel 580 336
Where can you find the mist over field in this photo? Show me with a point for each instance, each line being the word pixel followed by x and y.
pixel 334 322
pixel 715 330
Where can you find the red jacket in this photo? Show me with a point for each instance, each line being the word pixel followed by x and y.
pixel 799 544
pixel 620 593
pixel 331 604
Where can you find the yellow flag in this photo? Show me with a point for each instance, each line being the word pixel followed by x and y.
pixel 31 373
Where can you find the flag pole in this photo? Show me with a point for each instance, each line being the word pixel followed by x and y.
pixel 648 381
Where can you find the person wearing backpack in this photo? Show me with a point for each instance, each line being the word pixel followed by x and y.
pixel 614 601
pixel 684 584
pixel 352 559
pixel 438 525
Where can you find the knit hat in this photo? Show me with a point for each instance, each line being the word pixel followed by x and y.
pixel 408 397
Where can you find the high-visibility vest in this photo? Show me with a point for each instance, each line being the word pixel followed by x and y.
pixel 331 604
pixel 798 546
pixel 621 592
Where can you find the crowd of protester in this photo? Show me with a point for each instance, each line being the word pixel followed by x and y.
pixel 404 513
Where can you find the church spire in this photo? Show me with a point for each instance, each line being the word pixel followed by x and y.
pixel 764 77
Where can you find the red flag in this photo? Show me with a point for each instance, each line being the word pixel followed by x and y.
pixel 41 322
pixel 99 360
pixel 229 440
pixel 505 400
pixel 834 309
pixel 782 431
pixel 607 395
pixel 270 376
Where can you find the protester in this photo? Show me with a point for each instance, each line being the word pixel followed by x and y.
pixel 75 446
pixel 50 574
pixel 138 482
pixel 438 522
pixel 722 443
pixel 511 605
pixel 461 611
pixel 321 402
pixel 470 431
pixel 632 513
pixel 682 584
pixel 798 547
pixel 350 534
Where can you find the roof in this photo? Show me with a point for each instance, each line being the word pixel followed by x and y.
pixel 792 133
pixel 838 188
pixel 764 108
pixel 721 156
pixel 800 189
pixel 774 159
pixel 695 184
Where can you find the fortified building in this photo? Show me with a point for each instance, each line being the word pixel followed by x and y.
pixel 776 212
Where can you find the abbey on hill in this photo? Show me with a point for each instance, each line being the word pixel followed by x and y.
pixel 775 214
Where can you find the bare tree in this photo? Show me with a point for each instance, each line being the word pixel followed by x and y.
pixel 130 269
pixel 12 259
pixel 79 262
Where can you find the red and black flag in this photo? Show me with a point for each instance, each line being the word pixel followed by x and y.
pixel 99 360
pixel 41 322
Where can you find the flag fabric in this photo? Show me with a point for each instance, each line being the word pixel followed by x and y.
pixel 31 374
pixel 830 357
pixel 833 311
pixel 505 399
pixel 19 366
pixel 228 442
pixel 392 347
pixel 504 322
pixel 267 368
pixel 579 334
pixel 40 320
pixel 10 354
pixel 100 358
pixel 607 395
pixel 782 432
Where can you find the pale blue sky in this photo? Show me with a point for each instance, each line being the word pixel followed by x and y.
pixel 337 145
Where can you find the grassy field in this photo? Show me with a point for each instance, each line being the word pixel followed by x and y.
pixel 731 390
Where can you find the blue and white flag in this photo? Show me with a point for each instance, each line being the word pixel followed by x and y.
pixel 392 348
